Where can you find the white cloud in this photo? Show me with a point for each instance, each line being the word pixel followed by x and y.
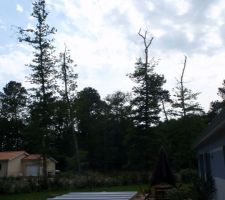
pixel 182 6
pixel 2 25
pixel 13 65
pixel 105 52
pixel 203 73
pixel 19 8
pixel 102 36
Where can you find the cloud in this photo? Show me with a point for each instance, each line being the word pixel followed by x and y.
pixel 105 40
pixel 13 66
pixel 104 43
pixel 19 8
pixel 2 25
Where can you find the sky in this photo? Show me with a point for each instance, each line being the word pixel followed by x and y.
pixel 103 38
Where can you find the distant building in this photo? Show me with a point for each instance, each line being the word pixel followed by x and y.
pixel 211 154
pixel 20 163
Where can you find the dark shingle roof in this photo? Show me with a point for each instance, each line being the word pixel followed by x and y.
pixel 209 131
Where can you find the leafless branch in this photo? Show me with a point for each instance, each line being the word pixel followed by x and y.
pixel 144 37
pixel 182 75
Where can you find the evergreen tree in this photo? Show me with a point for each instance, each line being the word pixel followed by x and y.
pixel 186 107
pixel 148 90
pixel 92 127
pixel 146 104
pixel 184 101
pixel 119 105
pixel 217 106
pixel 42 77
pixel 118 123
pixel 68 78
pixel 13 102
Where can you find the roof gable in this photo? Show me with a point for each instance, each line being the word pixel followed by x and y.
pixel 33 157
pixel 37 157
pixel 211 129
pixel 10 155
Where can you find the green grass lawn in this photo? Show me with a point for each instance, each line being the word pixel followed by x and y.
pixel 45 195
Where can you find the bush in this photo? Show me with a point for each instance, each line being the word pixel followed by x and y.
pixel 70 180
pixel 205 189
pixel 188 175
pixel 17 185
pixel 184 192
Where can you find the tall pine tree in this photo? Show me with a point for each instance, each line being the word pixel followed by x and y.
pixel 186 107
pixel 148 90
pixel 68 77
pixel 185 101
pixel 42 76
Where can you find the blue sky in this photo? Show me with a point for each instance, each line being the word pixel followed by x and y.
pixel 104 43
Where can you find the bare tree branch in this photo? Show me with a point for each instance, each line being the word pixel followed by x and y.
pixel 182 87
pixel 144 37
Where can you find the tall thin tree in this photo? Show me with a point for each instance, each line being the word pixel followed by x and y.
pixel 185 105
pixel 148 91
pixel 68 78
pixel 42 76
pixel 185 101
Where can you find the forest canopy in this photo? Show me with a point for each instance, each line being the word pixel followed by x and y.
pixel 84 131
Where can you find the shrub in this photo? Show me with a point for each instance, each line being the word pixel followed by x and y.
pixel 188 175
pixel 70 180
pixel 184 192
pixel 205 189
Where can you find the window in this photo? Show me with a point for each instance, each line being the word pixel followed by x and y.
pixel 201 166
pixel 224 154
pixel 207 165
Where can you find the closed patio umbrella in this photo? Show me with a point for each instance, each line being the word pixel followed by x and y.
pixel 162 173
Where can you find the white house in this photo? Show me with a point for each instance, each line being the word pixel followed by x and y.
pixel 20 163
pixel 211 154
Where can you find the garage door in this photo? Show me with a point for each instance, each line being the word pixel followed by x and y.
pixel 32 170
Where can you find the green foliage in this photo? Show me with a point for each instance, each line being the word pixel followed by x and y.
pixel 178 141
pixel 185 192
pixel 69 180
pixel 13 185
pixel 68 77
pixel 205 189
pixel 121 132
pixel 185 101
pixel 146 94
pixel 13 101
pixel 42 77
pixel 148 91
pixel 196 189
pixel 217 106
pixel 188 175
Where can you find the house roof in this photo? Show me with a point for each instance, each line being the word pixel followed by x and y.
pixel 10 155
pixel 33 157
pixel 210 130
pixel 37 157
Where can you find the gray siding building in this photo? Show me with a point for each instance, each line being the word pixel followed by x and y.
pixel 211 154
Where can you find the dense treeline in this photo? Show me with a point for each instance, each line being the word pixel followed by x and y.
pixel 123 131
